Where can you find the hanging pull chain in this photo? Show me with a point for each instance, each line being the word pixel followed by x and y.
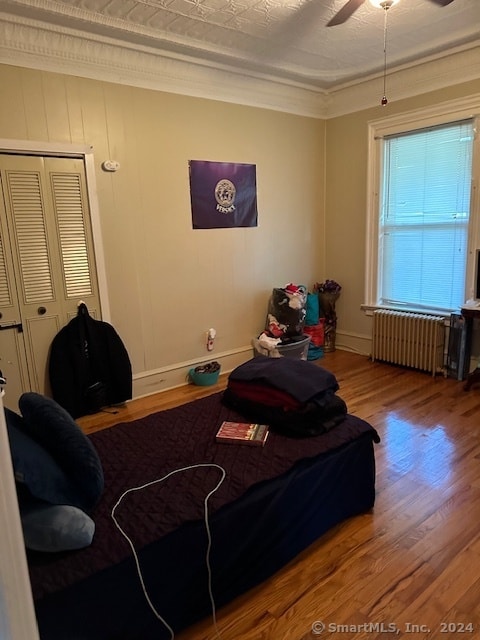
pixel 384 101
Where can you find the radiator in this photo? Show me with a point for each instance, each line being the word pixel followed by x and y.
pixel 410 339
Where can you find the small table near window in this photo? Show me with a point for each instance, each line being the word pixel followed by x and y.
pixel 470 314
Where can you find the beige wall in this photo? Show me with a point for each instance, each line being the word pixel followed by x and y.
pixel 169 283
pixel 346 199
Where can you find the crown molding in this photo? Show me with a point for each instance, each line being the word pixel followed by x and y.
pixel 27 43
pixel 49 48
pixel 461 64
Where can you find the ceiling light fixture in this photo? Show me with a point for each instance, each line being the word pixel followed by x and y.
pixel 385 5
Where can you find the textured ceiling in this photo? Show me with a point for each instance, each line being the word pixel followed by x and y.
pixel 283 39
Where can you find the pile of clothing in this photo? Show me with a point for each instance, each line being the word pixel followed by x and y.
pixel 284 322
pixel 286 311
pixel 294 397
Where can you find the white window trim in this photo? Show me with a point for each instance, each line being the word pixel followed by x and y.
pixel 442 113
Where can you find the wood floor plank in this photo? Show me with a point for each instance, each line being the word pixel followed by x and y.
pixel 414 560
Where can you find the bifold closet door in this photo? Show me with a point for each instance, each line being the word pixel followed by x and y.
pixel 46 263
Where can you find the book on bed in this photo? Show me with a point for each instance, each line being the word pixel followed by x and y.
pixel 242 433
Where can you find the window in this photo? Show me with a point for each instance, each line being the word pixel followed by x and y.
pixel 424 217
pixel 421 253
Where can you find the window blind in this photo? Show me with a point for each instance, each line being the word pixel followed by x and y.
pixel 424 217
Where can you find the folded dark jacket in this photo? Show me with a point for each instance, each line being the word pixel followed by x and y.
pixel 310 419
pixel 301 379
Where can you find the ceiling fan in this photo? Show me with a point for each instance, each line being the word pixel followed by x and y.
pixel 351 6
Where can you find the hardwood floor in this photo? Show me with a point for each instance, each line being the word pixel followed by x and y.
pixel 408 569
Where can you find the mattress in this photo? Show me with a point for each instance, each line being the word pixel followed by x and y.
pixel 274 502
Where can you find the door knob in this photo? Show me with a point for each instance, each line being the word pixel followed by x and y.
pixel 42 311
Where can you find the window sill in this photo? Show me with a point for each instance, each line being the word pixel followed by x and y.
pixel 369 310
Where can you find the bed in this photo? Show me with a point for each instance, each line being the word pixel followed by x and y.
pixel 274 502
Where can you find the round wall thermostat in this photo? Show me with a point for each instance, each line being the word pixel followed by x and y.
pixel 110 165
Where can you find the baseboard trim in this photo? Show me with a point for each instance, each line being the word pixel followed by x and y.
pixel 355 342
pixel 175 375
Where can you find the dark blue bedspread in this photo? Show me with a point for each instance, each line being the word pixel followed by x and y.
pixel 275 501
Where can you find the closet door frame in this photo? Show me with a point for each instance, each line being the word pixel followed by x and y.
pixel 86 153
pixel 16 602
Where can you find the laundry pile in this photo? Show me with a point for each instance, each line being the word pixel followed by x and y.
pixel 284 322
pixel 286 311
pixel 293 320
pixel 294 397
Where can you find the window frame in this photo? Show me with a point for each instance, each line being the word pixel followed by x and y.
pixel 441 114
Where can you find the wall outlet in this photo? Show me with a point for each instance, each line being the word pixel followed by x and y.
pixel 211 334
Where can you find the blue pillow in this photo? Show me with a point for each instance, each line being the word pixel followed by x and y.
pixel 53 427
pixel 54 528
pixel 34 467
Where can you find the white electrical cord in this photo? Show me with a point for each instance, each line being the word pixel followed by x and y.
pixel 209 536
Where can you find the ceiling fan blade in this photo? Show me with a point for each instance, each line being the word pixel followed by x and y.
pixel 442 3
pixel 345 12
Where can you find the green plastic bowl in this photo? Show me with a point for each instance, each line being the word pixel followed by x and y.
pixel 203 379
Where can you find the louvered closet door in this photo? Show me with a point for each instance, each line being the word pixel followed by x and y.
pixel 13 362
pixel 50 249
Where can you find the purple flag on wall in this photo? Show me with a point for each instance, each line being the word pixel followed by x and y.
pixel 223 194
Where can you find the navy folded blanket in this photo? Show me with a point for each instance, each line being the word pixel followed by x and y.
pixel 303 380
pixel 267 390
